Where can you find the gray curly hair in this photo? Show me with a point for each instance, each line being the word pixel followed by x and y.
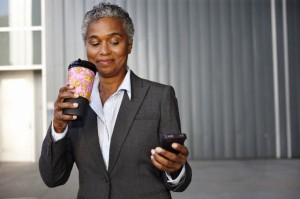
pixel 108 10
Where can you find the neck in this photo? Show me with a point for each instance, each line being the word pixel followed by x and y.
pixel 109 86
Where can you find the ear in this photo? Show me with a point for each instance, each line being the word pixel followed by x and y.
pixel 129 48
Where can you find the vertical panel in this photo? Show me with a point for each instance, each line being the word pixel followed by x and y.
pixel 226 84
pixel 267 69
pixel 74 45
pixel 54 48
pixel 216 79
pixel 281 79
pixel 69 32
pixel 173 42
pixel 257 10
pixel 286 79
pixel 142 39
pixel 184 67
pixel 205 77
pixel 152 38
pixel 196 133
pixel 238 84
pixel 293 16
pixel 248 74
pixel 78 16
pixel 133 57
pixel 162 45
pixel 263 87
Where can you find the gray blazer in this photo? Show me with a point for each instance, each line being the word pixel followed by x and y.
pixel 151 111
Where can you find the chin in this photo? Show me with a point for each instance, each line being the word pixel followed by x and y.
pixel 106 73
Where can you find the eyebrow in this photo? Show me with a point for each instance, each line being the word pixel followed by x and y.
pixel 115 33
pixel 109 35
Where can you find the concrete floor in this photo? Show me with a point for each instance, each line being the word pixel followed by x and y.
pixel 245 179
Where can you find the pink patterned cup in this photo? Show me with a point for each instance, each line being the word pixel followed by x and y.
pixel 81 75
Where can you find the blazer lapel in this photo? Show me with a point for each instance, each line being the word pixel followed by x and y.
pixel 126 115
pixel 91 136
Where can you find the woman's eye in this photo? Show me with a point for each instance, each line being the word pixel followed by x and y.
pixel 94 44
pixel 114 43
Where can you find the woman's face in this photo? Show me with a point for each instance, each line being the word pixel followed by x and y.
pixel 107 46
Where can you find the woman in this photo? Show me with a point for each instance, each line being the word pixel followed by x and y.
pixel 116 146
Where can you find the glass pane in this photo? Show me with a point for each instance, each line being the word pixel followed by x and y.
pixel 37 47
pixel 20 48
pixel 36 12
pixel 4 48
pixel 20 13
pixel 3 13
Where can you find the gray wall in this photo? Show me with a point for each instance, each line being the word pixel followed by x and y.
pixel 220 57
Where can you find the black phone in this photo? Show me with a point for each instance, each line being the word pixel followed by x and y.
pixel 167 140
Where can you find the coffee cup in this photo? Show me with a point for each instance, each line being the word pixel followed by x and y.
pixel 81 75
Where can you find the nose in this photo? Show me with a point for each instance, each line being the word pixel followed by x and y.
pixel 104 49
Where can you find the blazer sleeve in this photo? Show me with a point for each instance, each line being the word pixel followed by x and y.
pixel 56 161
pixel 170 123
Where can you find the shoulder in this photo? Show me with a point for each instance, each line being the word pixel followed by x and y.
pixel 146 82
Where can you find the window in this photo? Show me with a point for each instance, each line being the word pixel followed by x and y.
pixel 20 33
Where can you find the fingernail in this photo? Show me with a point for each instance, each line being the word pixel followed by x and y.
pixel 74 117
pixel 75 104
pixel 76 95
pixel 152 151
pixel 152 157
pixel 158 149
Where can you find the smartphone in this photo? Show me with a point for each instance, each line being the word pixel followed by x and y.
pixel 167 140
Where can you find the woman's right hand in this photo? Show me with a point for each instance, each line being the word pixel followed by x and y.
pixel 60 121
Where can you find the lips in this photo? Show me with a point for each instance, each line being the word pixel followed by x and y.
pixel 105 61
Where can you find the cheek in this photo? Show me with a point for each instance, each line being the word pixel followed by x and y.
pixel 122 52
pixel 90 53
pixel 121 57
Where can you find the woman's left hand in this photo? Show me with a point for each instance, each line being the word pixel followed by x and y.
pixel 168 161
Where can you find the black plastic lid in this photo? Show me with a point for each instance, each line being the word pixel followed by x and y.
pixel 83 63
